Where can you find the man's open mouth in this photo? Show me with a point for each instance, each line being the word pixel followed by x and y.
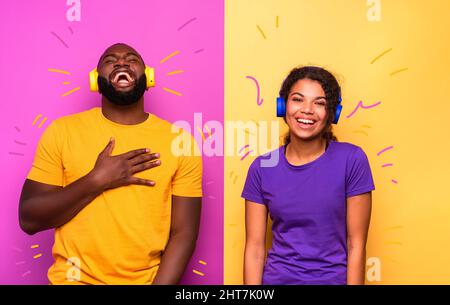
pixel 122 78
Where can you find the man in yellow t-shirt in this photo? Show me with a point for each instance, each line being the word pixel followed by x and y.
pixel 127 213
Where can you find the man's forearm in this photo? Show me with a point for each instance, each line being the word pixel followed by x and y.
pixel 175 258
pixel 55 208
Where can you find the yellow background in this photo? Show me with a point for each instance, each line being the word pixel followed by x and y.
pixel 410 226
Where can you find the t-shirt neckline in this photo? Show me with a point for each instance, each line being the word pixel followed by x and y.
pixel 108 121
pixel 309 164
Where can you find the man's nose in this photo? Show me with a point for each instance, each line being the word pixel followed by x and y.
pixel 120 63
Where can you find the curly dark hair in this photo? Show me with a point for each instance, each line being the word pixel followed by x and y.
pixel 329 85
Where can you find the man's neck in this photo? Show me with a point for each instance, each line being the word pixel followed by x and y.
pixel 125 115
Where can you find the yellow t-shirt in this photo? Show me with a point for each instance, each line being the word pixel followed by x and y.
pixel 119 237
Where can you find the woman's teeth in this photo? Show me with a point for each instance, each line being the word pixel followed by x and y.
pixel 305 121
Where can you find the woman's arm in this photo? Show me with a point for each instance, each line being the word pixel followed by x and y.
pixel 358 219
pixel 255 242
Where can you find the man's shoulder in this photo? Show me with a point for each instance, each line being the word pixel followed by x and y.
pixel 161 124
pixel 76 117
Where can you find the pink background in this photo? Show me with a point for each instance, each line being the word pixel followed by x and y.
pixel 29 49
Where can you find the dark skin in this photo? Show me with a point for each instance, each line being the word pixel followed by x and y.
pixel 43 206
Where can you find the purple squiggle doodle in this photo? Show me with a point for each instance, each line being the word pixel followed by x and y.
pixel 258 91
pixel 360 105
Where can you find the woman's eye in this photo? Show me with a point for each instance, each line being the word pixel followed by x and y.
pixel 321 103
pixel 295 99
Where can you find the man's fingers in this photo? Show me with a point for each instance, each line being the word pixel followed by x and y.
pixel 140 181
pixel 144 166
pixel 143 158
pixel 109 147
pixel 134 153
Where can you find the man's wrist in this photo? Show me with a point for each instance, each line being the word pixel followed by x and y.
pixel 94 183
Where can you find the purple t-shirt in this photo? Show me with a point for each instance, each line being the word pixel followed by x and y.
pixel 307 205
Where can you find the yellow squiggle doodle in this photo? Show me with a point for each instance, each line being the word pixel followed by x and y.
pixel 393 228
pixel 172 91
pixel 37 118
pixel 261 31
pixel 58 71
pixel 175 72
pixel 208 130
pixel 361 131
pixel 257 124
pixel 169 56
pixel 198 272
pixel 381 55
pixel 70 91
pixel 200 132
pixel 397 243
pixel 398 71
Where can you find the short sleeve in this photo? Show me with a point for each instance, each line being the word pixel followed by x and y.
pixel 47 165
pixel 187 181
pixel 252 187
pixel 359 176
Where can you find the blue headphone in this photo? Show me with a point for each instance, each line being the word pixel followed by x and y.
pixel 281 109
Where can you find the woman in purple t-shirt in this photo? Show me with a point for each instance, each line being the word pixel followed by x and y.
pixel 318 194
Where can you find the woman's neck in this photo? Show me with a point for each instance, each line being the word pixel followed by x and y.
pixel 299 152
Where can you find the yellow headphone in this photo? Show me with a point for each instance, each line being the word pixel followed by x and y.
pixel 149 74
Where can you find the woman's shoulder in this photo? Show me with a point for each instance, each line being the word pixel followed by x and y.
pixel 348 151
pixel 346 147
pixel 268 160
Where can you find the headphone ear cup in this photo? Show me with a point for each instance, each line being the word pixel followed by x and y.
pixel 337 114
pixel 150 75
pixel 93 80
pixel 281 107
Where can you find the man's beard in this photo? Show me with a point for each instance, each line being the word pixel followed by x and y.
pixel 122 98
